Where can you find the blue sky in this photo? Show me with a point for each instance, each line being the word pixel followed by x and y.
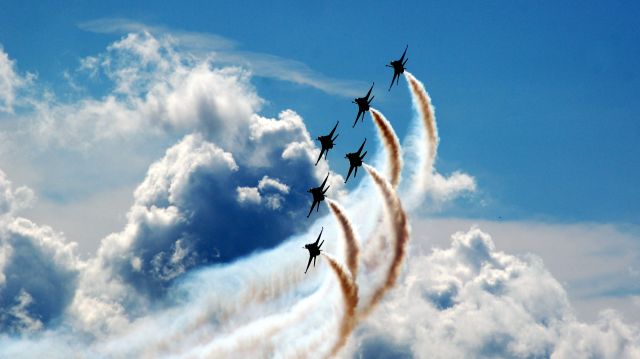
pixel 154 162
pixel 536 98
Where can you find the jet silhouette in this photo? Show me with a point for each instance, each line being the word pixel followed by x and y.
pixel 327 143
pixel 314 251
pixel 318 195
pixel 363 104
pixel 355 160
pixel 398 67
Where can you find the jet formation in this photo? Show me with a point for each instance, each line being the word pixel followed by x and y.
pixel 398 67
pixel 355 158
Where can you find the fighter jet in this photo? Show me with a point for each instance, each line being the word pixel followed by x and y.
pixel 355 160
pixel 398 67
pixel 318 195
pixel 363 104
pixel 327 143
pixel 314 250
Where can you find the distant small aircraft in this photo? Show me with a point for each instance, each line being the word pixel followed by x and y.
pixel 318 195
pixel 327 143
pixel 363 104
pixel 398 67
pixel 314 251
pixel 355 160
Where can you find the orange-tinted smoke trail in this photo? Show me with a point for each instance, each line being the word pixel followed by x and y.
pixel 391 142
pixel 399 234
pixel 422 101
pixel 253 340
pixel 350 297
pixel 220 310
pixel 351 239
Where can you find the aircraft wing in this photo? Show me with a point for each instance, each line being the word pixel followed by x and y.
pixel 361 147
pixel 348 174
pixel 324 182
pixel 311 209
pixel 334 129
pixel 369 93
pixel 319 235
pixel 404 53
pixel 319 157
pixel 308 264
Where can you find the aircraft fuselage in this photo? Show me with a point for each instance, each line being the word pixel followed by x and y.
pixel 317 194
pixel 397 66
pixel 354 160
pixel 363 105
pixel 313 249
pixel 326 142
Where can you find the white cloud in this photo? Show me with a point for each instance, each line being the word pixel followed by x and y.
pixel 155 90
pixel 266 183
pixel 13 200
pixel 38 270
pixel 590 260
pixel 19 312
pixel 254 195
pixel 471 300
pixel 274 201
pixel 10 82
pixel 224 51
pixel 248 195
pixel 444 189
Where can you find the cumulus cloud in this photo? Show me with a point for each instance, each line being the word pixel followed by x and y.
pixel 155 89
pixel 38 272
pixel 471 300
pixel 170 228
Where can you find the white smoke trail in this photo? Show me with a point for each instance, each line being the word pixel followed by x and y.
pixel 350 299
pixel 423 143
pixel 375 249
pixel 352 247
pixel 392 145
pixel 400 237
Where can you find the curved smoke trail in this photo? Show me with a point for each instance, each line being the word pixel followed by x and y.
pixel 351 239
pixel 428 146
pixel 256 336
pixel 400 235
pixel 422 100
pixel 391 143
pixel 350 299
pixel 220 310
